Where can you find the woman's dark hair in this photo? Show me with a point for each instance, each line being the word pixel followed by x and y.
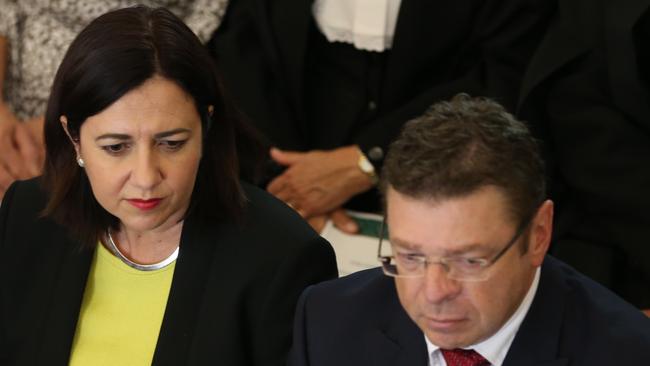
pixel 113 55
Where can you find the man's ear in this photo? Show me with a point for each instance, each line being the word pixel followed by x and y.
pixel 541 231
pixel 74 142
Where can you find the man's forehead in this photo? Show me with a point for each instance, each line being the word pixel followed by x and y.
pixel 487 200
pixel 453 225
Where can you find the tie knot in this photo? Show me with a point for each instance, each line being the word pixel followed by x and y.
pixel 463 357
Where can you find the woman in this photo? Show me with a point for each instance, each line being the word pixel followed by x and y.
pixel 34 36
pixel 144 247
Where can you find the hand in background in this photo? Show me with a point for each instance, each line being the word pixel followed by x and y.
pixel 317 182
pixel 21 148
pixel 339 218
pixel 318 222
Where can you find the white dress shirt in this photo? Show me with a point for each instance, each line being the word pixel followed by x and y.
pixel 367 24
pixel 494 348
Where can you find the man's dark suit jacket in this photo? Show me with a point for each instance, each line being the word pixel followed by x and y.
pixel 231 301
pixel 439 49
pixel 586 94
pixel 358 320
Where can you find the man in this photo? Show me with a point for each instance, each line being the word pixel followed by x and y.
pixel 466 279
pixel 330 83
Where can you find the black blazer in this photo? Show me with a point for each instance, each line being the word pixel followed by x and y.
pixel 232 297
pixel 586 95
pixel 440 48
pixel 358 320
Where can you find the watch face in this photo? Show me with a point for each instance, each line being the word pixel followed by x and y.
pixel 365 165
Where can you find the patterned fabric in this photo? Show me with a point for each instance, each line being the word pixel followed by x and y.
pixel 463 357
pixel 39 32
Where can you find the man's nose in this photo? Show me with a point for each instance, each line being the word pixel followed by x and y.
pixel 437 286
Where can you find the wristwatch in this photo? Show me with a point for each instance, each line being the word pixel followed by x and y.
pixel 367 168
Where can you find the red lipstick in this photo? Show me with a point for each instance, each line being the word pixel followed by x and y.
pixel 145 205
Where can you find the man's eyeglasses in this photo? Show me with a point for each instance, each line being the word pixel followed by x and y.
pixel 469 269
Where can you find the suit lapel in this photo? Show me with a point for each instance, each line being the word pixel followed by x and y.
pixel 57 333
pixel 411 43
pixel 536 342
pixel 622 65
pixel 398 341
pixel 561 44
pixel 409 31
pixel 289 22
pixel 185 295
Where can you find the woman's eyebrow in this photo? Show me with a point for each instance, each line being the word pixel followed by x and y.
pixel 116 136
pixel 122 136
pixel 171 132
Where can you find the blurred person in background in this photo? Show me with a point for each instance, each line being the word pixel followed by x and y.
pixel 586 93
pixel 329 83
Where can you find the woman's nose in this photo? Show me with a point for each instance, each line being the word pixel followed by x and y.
pixel 146 172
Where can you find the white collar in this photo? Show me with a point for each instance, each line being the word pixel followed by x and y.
pixel 367 24
pixel 495 348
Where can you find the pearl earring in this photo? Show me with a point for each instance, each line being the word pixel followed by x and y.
pixel 80 161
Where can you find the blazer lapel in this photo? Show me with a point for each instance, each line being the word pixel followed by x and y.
pixel 54 342
pixel 622 65
pixel 561 44
pixel 68 285
pixel 411 43
pixel 289 22
pixel 536 342
pixel 398 341
pixel 185 295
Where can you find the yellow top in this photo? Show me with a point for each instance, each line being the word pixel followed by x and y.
pixel 121 313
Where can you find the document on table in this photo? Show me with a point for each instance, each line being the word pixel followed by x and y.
pixel 356 252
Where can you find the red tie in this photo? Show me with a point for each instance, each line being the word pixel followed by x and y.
pixel 463 357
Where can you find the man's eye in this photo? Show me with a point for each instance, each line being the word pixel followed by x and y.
pixel 409 262
pixel 409 258
pixel 470 263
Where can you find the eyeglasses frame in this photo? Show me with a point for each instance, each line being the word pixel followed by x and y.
pixel 385 258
